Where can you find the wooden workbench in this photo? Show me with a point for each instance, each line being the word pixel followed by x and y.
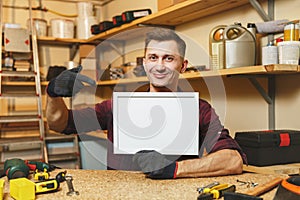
pixel 103 184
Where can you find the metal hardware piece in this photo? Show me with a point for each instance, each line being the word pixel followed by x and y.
pixel 200 189
pixel 248 183
pixel 71 191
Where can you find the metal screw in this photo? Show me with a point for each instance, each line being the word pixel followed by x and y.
pixel 248 183
pixel 69 180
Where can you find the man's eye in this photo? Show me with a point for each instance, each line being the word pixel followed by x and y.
pixel 169 58
pixel 152 57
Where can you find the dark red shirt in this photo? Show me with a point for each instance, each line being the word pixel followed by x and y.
pixel 212 135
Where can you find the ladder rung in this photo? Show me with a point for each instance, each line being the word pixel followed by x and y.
pixel 18 73
pixel 56 137
pixel 18 144
pixel 19 118
pixel 63 157
pixel 18 95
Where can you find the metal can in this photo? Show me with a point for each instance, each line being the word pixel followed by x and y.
pixel 291 32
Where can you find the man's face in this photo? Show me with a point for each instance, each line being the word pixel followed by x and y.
pixel 163 63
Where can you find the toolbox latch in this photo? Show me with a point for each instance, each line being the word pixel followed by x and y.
pixel 284 140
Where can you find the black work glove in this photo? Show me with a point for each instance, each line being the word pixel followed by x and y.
pixel 155 165
pixel 68 83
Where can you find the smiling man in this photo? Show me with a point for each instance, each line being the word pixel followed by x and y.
pixel 164 61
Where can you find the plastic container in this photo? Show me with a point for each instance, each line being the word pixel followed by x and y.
pixel 62 28
pixel 288 52
pixel 22 188
pixel 291 32
pixel 83 28
pixel 270 147
pixel 1 188
pixel 84 9
pixel 269 55
pixel 10 25
pixel 216 47
pixel 240 47
pixel 40 26
pixel 252 28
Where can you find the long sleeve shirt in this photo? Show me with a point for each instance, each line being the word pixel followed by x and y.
pixel 212 135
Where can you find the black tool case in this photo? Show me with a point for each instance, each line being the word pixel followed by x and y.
pixel 270 147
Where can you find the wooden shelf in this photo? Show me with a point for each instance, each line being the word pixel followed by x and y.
pixel 178 14
pixel 63 41
pixel 249 70
pixel 260 69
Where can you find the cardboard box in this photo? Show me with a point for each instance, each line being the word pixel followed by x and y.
pixel 89 67
pixel 87 51
pixel 270 147
pixel 162 4
pixel 16 40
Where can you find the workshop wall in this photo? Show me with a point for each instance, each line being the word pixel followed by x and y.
pixel 245 108
pixel 239 105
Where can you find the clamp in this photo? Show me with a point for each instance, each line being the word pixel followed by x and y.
pixel 216 191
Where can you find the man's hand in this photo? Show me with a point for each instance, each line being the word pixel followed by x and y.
pixel 68 83
pixel 155 165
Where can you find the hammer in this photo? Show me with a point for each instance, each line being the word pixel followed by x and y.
pixel 253 194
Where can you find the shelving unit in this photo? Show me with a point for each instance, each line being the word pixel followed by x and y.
pixel 178 14
pixel 13 144
pixel 276 69
pixel 63 150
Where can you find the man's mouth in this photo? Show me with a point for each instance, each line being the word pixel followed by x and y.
pixel 159 75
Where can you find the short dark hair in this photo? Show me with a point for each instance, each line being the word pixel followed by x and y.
pixel 164 34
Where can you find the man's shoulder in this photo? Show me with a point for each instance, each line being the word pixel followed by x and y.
pixel 203 102
pixel 105 103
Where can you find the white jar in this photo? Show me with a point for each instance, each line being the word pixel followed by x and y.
pixel 269 55
pixel 62 28
pixel 40 26
pixel 289 52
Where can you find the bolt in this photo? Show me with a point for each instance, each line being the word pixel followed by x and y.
pixel 248 183
pixel 69 180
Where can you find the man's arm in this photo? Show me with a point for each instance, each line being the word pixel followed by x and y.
pixel 56 113
pixel 66 84
pixel 222 162
pixel 218 163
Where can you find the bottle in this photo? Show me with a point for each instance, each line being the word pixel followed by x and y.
pixel 291 32
pixel 270 54
pixel 216 47
pixel 240 47
pixel 252 28
pixel 8 61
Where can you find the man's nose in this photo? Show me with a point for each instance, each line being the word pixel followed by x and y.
pixel 160 64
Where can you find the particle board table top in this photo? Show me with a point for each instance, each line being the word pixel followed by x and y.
pixel 111 184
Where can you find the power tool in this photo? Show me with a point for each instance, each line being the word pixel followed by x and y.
pixel 215 191
pixel 18 168
pixel 50 184
pixel 23 188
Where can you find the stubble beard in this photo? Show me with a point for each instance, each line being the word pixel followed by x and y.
pixel 166 82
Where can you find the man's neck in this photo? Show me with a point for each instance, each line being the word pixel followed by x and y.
pixel 162 89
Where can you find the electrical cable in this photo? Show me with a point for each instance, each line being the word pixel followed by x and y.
pixel 42 9
pixel 61 14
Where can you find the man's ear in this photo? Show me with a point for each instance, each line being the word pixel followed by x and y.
pixel 184 66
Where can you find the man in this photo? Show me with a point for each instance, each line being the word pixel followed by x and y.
pixel 163 62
